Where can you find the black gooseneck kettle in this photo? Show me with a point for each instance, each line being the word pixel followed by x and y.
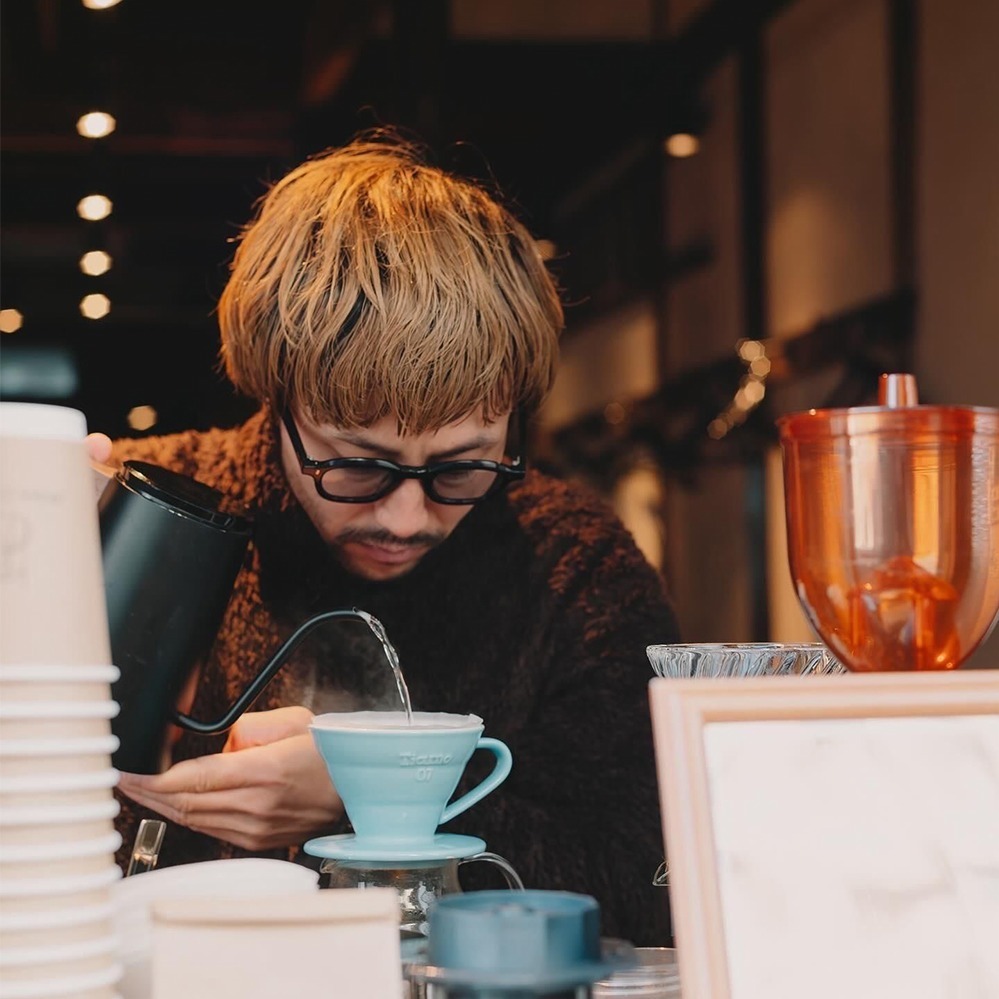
pixel 172 547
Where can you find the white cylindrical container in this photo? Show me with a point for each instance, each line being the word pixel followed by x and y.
pixel 51 576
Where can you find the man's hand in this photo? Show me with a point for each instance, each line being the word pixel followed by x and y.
pixel 99 448
pixel 99 452
pixel 267 788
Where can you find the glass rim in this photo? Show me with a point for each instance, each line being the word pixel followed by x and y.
pixel 714 646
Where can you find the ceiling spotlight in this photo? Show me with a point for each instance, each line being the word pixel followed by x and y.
pixel 95 263
pixel 94 207
pixel 682 144
pixel 95 124
pixel 10 320
pixel 95 306
pixel 100 4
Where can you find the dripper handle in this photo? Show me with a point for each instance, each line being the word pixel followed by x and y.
pixel 897 391
pixel 500 772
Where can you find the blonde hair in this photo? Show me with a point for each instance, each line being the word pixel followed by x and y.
pixel 370 283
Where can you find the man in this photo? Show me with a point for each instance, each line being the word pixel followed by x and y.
pixel 398 327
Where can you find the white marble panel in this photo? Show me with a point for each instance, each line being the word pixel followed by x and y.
pixel 858 857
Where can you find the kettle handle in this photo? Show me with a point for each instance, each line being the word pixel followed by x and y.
pixel 264 677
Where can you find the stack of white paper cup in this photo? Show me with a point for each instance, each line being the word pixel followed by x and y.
pixel 57 806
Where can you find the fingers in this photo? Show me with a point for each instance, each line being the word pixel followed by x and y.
pixel 99 452
pixel 267 796
pixel 99 448
pixel 198 776
pixel 259 728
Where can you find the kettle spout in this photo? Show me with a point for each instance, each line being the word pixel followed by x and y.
pixel 264 677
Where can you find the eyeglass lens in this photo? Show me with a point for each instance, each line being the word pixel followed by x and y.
pixel 454 483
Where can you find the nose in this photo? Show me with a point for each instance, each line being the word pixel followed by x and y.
pixel 404 511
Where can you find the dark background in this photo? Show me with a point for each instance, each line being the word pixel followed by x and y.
pixel 214 101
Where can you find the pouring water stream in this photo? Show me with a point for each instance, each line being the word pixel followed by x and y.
pixel 393 660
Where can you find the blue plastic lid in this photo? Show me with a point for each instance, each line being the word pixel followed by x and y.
pixel 518 940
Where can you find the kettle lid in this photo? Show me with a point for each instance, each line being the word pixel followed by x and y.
pixel 184 494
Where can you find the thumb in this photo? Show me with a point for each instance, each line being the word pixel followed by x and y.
pixel 259 728
pixel 99 452
pixel 99 448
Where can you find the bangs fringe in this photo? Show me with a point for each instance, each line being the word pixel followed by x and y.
pixel 372 284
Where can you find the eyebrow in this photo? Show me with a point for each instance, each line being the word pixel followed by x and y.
pixel 392 454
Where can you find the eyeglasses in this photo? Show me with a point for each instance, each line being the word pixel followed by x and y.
pixel 364 480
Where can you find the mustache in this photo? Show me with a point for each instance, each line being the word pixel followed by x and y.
pixel 379 536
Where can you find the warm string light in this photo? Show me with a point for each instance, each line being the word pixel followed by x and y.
pixel 750 393
pixel 94 207
pixel 95 124
pixel 94 263
pixel 95 305
pixel 680 145
pixel 142 417
pixel 11 320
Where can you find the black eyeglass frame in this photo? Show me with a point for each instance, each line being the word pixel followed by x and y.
pixel 424 474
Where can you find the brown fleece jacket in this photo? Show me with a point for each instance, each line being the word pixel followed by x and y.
pixel 534 614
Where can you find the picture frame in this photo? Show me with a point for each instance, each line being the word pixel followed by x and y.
pixel 832 835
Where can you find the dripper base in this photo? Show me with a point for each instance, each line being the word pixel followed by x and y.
pixel 347 846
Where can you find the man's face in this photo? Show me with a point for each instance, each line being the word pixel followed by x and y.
pixel 386 538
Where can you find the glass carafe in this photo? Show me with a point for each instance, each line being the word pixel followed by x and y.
pixel 417 882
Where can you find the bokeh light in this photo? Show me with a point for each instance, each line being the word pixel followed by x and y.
pixel 94 207
pixel 95 306
pixel 10 320
pixel 95 263
pixel 95 124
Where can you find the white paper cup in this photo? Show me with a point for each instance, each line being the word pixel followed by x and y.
pixel 54 728
pixel 61 815
pixel 59 746
pixel 18 836
pixel 60 783
pixel 53 824
pixel 92 985
pixel 58 860
pixel 26 757
pixel 29 853
pixel 58 672
pixel 28 799
pixel 40 682
pixel 250 876
pixel 69 988
pixel 78 987
pixel 62 897
pixel 57 935
pixel 79 889
pixel 45 710
pixel 12 958
pixel 78 958
pixel 56 869
pixel 56 719
pixel 52 766
pixel 134 896
pixel 51 539
pixel 56 918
